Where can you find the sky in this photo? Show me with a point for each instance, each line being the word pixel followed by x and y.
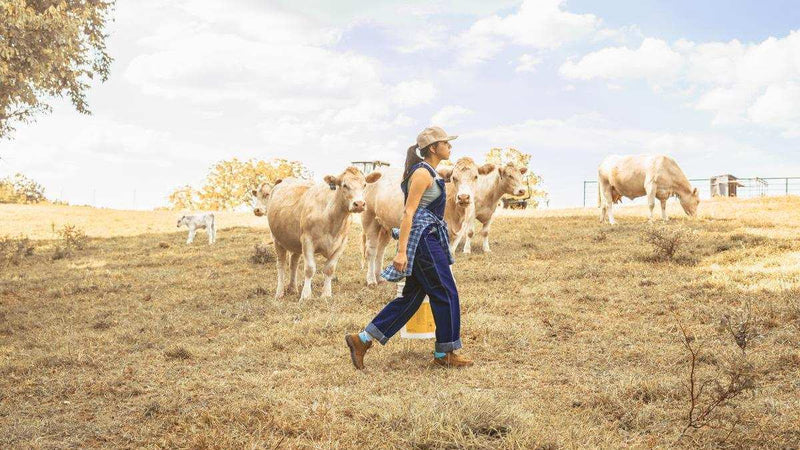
pixel 714 84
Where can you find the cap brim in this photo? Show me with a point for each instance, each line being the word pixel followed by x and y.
pixel 450 138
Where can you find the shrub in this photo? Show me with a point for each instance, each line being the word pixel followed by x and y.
pixel 666 242
pixel 71 238
pixel 262 254
pixel 12 250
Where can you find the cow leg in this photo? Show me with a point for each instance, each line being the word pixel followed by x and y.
pixel 606 202
pixel 384 237
pixel 280 252
pixel 371 250
pixel 468 238
pixel 211 237
pixel 664 210
pixel 310 264
pixel 456 241
pixel 485 234
pixel 650 188
pixel 192 231
pixel 330 270
pixel 294 264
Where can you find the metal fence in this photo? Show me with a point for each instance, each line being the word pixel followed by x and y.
pixel 747 188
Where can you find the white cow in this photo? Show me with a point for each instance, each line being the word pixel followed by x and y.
pixel 491 187
pixel 202 221
pixel 656 176
pixel 307 219
pixel 385 205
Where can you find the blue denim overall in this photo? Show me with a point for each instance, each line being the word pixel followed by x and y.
pixel 431 276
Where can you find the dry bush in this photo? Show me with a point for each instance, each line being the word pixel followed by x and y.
pixel 712 397
pixel 262 254
pixel 12 250
pixel 71 238
pixel 666 243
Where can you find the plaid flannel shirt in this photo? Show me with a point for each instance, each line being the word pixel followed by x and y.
pixel 423 220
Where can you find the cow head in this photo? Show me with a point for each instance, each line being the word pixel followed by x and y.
pixel 511 180
pixel 689 202
pixel 261 197
pixel 464 176
pixel 183 221
pixel 350 187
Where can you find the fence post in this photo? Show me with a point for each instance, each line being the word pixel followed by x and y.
pixel 584 193
pixel 787 186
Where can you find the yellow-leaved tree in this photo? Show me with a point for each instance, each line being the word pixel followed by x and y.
pixel 229 183
pixel 503 156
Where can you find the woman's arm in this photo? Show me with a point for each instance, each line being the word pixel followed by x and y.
pixel 420 180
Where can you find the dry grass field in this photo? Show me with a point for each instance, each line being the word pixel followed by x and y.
pixel 141 341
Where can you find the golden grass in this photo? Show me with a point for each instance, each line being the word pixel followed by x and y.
pixel 131 343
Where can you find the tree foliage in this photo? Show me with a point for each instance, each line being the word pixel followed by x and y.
pixel 501 157
pixel 229 183
pixel 49 48
pixel 20 189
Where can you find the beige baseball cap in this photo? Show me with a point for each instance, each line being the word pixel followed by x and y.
pixel 432 134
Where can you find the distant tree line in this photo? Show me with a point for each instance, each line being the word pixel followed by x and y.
pixel 20 189
pixel 228 184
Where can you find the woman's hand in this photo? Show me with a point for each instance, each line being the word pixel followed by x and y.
pixel 400 261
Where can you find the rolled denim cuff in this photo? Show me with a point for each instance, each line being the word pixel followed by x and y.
pixel 444 347
pixel 373 331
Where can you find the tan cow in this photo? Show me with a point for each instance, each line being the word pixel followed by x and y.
pixel 385 209
pixel 656 176
pixel 491 187
pixel 261 197
pixel 459 212
pixel 309 219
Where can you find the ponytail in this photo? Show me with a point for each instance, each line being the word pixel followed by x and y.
pixel 413 158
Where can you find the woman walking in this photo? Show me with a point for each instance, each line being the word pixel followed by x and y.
pixel 423 258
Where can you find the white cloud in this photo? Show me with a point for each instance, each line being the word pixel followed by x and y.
pixel 738 83
pixel 539 24
pixel 527 63
pixel 653 60
pixel 413 93
pixel 450 115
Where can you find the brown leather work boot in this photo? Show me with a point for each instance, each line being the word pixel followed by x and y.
pixel 450 359
pixel 357 349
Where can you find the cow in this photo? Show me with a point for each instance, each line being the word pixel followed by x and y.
pixel 203 221
pixel 459 212
pixel 656 176
pixel 491 187
pixel 261 197
pixel 309 219
pixel 385 205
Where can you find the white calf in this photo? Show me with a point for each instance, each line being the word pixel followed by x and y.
pixel 204 221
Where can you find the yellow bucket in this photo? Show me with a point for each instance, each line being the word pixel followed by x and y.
pixel 421 325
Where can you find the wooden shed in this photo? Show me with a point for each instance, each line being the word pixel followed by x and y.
pixel 725 186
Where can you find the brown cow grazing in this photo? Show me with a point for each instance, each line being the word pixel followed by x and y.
pixel 308 219
pixel 261 197
pixel 656 176
pixel 385 210
pixel 491 187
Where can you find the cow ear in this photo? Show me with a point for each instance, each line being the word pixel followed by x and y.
pixel 373 177
pixel 332 181
pixel 694 192
pixel 277 182
pixel 486 168
pixel 446 173
pixel 523 171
